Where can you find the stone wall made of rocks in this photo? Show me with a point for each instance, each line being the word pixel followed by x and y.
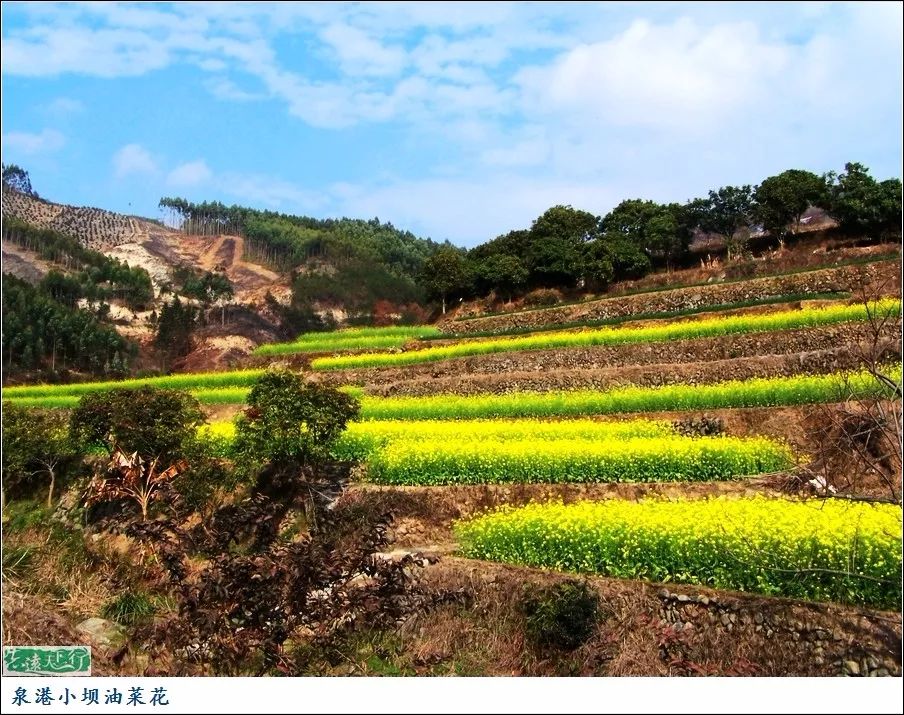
pixel 845 278
pixel 834 648
pixel 810 362
pixel 547 363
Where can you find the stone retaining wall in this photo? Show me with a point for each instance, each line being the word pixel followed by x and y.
pixel 846 278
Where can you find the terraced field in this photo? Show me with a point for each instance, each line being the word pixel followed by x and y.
pixel 777 546
pixel 641 449
pixel 532 451
pixel 684 330
pixel 352 339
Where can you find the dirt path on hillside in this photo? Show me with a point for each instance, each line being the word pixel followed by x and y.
pixel 225 253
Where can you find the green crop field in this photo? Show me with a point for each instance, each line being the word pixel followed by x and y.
pixel 481 451
pixel 362 439
pixel 683 330
pixel 825 550
pixel 641 459
pixel 184 381
pixel 351 339
pixel 211 396
pixel 758 392
pixel 657 315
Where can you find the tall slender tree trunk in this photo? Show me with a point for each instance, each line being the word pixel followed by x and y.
pixel 50 471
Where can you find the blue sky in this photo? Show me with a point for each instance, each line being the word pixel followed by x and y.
pixel 456 121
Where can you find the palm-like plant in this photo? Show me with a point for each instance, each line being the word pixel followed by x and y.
pixel 129 476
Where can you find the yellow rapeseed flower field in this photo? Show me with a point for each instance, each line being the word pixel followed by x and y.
pixel 817 549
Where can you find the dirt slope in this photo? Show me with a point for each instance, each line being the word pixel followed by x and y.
pixel 157 249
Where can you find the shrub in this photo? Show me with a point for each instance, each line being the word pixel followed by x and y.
pixel 289 423
pixel 248 601
pixel 153 422
pixel 37 451
pixel 543 297
pixel 561 617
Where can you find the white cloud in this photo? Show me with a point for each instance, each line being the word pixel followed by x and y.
pixel 212 65
pixel 360 53
pixel 66 106
pixel 190 174
pixel 273 193
pixel 45 142
pixel 678 76
pixel 531 149
pixel 523 104
pixel 224 88
pixel 133 159
pixel 45 51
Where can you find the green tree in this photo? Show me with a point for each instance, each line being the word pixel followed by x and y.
pixel 15 177
pixel 64 289
pixel 290 424
pixel 566 225
pixel 445 274
pixel 37 328
pixel 158 424
pixel 209 287
pixel 175 327
pixel 637 231
pixel 598 264
pixel 662 235
pixel 860 204
pixel 629 220
pixel 36 443
pixel 728 210
pixel 555 245
pixel 502 273
pixel 219 290
pixel 781 200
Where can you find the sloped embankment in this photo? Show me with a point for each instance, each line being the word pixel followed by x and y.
pixel 551 367
pixel 882 274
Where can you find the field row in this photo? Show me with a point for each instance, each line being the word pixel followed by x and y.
pixel 657 315
pixel 185 381
pixel 228 382
pixel 525 451
pixel 351 339
pixel 672 287
pixel 687 329
pixel 361 440
pixel 825 550
pixel 643 459
pixel 758 392
pixel 683 330
pixel 877 274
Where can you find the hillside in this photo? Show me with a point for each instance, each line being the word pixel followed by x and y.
pixel 678 458
pixel 148 245
pixel 286 273
pixel 714 446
